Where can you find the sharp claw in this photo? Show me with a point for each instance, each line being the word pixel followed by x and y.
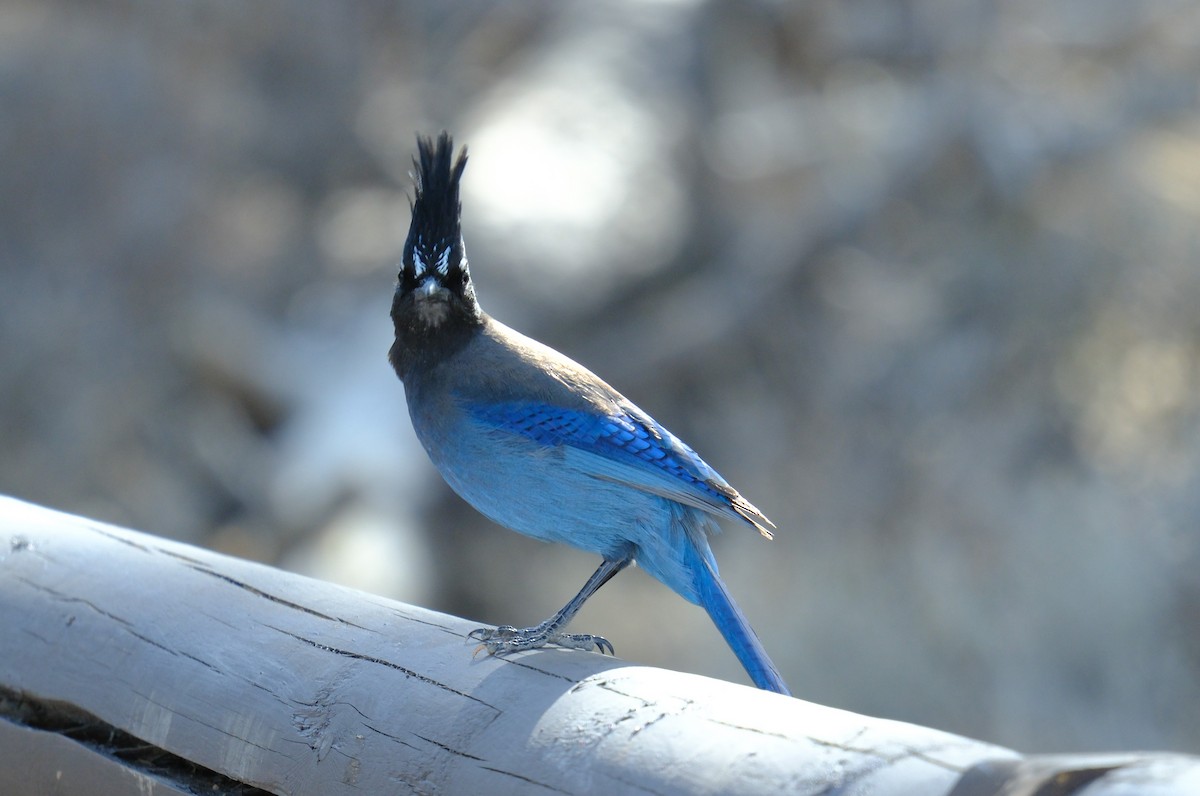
pixel 505 639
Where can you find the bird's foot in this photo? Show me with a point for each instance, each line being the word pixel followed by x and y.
pixel 506 638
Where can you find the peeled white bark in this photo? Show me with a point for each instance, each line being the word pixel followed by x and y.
pixel 129 663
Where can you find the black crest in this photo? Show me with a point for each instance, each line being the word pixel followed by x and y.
pixel 434 309
pixel 434 242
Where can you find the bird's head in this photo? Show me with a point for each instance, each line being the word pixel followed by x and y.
pixel 434 291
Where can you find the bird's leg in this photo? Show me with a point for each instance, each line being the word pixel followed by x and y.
pixel 510 639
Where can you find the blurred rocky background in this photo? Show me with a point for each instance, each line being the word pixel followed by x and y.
pixel 922 279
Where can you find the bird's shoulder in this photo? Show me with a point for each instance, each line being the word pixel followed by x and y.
pixel 513 383
pixel 501 365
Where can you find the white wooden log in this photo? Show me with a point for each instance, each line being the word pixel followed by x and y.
pixel 132 664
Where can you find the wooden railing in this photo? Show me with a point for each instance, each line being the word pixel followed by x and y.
pixel 132 664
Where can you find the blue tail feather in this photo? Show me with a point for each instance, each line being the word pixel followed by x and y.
pixel 734 626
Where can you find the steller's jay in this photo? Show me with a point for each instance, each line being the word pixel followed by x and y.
pixel 541 445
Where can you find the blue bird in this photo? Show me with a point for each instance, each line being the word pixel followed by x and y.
pixel 541 445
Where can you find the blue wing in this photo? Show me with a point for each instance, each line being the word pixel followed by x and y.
pixel 629 447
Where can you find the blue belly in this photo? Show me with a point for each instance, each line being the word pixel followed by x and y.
pixel 551 493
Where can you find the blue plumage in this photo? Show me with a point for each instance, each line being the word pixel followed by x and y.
pixel 541 445
pixel 617 436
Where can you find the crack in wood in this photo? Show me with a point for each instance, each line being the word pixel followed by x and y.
pixel 273 598
pixel 389 664
pixel 450 749
pixel 648 724
pixel 532 668
pixel 905 753
pixel 117 538
pixel 748 728
pixel 523 779
pixel 610 685
pixel 926 756
pixel 389 736
pixel 97 735
pixel 125 624
pixel 67 598
pixel 406 616
pixel 640 786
